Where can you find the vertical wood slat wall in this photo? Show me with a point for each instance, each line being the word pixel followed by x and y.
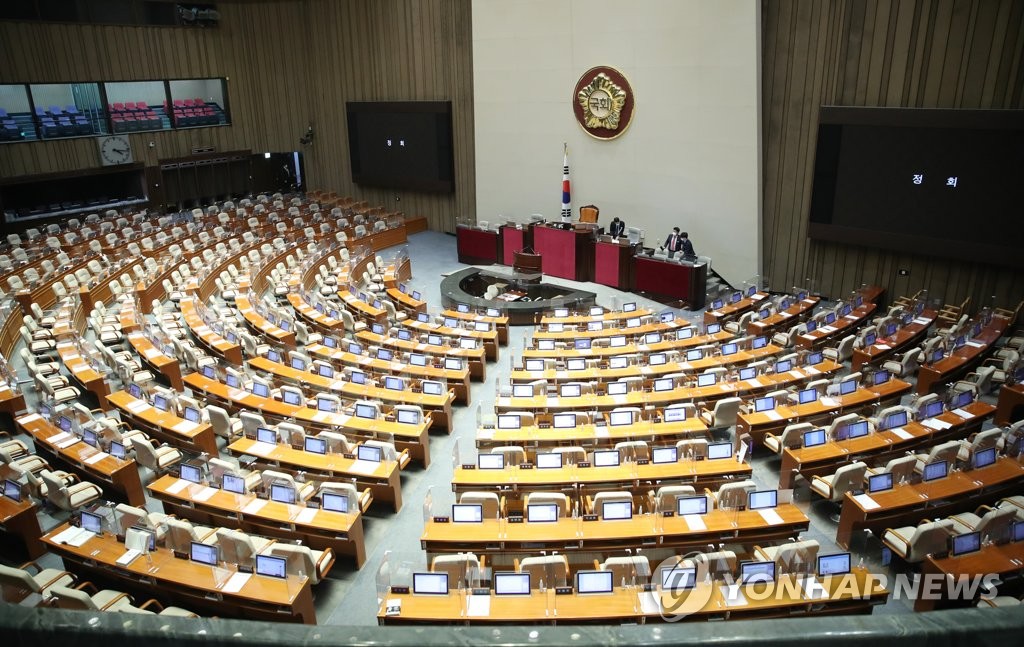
pixel 961 54
pixel 255 47
pixel 391 50
pixel 289 64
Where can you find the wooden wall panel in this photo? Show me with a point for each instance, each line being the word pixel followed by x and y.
pixel 259 46
pixel 391 50
pixel 885 53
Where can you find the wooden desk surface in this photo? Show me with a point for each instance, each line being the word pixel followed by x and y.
pixel 97 466
pixel 632 347
pixel 497 535
pixel 885 346
pixel 930 376
pixel 993 559
pixel 704 473
pixel 311 314
pixel 182 579
pixel 83 372
pixel 591 434
pixel 261 325
pixel 413 437
pixel 154 357
pixel 475 357
pixel 843 325
pixel 195 437
pixel 614 315
pixel 210 338
pixel 1009 404
pixel 572 332
pixel 383 477
pixel 20 520
pixel 786 318
pixel 730 310
pixel 853 593
pixel 833 454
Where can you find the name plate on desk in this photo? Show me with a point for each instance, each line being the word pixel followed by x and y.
pixel 590 517
pixel 583 464
pixel 563 590
pixel 515 520
pixel 442 519
pixel 668 513
pixel 349 456
pixel 480 591
pixel 642 461
pixel 468 466
pixel 526 466
pixel 399 589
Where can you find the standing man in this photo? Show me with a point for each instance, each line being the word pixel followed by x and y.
pixel 673 243
pixel 687 247
pixel 618 228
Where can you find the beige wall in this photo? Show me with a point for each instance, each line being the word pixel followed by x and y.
pixel 690 157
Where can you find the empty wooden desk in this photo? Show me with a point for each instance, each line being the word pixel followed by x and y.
pixel 18 520
pixel 905 337
pixel 1010 406
pixel 195 437
pixel 933 375
pixel 1003 560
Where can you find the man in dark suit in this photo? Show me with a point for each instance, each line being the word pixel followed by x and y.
pixel 686 247
pixel 674 242
pixel 617 228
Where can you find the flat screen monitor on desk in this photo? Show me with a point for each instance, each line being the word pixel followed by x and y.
pixel 384 355
pixel 467 513
pixel 369 453
pixel 545 344
pixel 748 373
pixel 203 553
pixel 582 344
pixel 764 404
pixel 264 435
pixel 542 512
pixel 534 365
pixel 490 461
pixel 270 566
pixel 894 420
pixel 366 411
pixel 617 388
pixel 232 483
pixel 511 583
pixel 192 415
pixel 282 493
pixel 729 349
pixel 325 370
pixel 880 482
pixel 261 390
pixel 691 505
pixel 834 564
pixel 663 384
pixel 678 579
pixel 418 360
pixel 675 414
pixel 89 438
pixel 404 335
pixel 617 341
pixel 762 499
pixel 964 544
pixel 606 458
pixel 629 307
pixel 758 343
pixel 936 470
pixel 314 445
pixel 617 510
pixel 325 405
pixel 408 416
pixel 620 418
pixel 652 338
pixel 595 325
pixel 431 387
pixel 452 364
pixel 656 359
pixel 298 363
pixel 575 364
pixel 717 451
pixel 334 502
pixel 550 460
pixel 191 473
pixel 807 396
pixel 880 377
pixel 713 329
pixel 92 522
pixel 509 421
pixel 570 391
pixel 814 358
pixel 1017 531
pixel 430 583
pixel 662 455
pixel 117 450
pixel 814 437
pixel 393 383
pixel 594 582
pixel 847 387
pixel 755 572
pixel 565 420
pixel 984 457
pixel 706 379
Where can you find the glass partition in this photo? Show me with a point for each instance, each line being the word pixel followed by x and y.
pixel 137 105
pixel 15 114
pixel 199 102
pixel 68 109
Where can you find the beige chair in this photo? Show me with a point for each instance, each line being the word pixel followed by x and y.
pixel 834 486
pixel 901 468
pixel 302 490
pixel 224 425
pixel 666 495
pixel 157 459
pixel 464 567
pixel 596 506
pixel 724 413
pixel 717 563
pixel 790 438
pixel 106 600
pixel 733 495
pixel 303 560
pixel 181 533
pixel 697 448
pixel 128 516
pixel 356 500
pixel 915 543
pixel 558 498
pixel 791 557
pixel 553 570
pixel 69 497
pixel 979 442
pixel 946 451
pixel 633 450
pixel 489 502
pixel 513 455
pixel 18 584
pixel 993 523
pixel 631 569
pixel 571 455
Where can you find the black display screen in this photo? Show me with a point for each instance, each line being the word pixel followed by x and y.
pixel 935 182
pixel 402 145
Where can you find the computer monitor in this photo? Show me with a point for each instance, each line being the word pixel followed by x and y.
pixel 656 359
pixel 135 390
pixel 548 460
pixel 203 553
pixel 91 522
pixel 675 414
pixel 282 493
pixel 315 445
pixel 357 377
pixel 160 402
pixel 511 583
pixel 880 482
pixel 140 539
pixel 807 396
pixel 811 325
pixel 481 326
pixel 416 295
pixel 232 483
pixel 334 502
pixel 407 416
pixel 570 391
pixel 694 354
pixel 545 344
pixel 984 457
pixel 869 339
pixel 764 404
pixel 509 421
pixel 594 582
pixel 858 429
pixel 691 505
pixel 729 349
pixel 617 341
pixel 384 355
pixel 1017 531
pixel 758 343
pixel 762 499
pixel 325 404
pixel 616 510
pixel 716 304
pixel 369 453
pixel 880 377
pixel 377 329
pixel 418 360
pixel 814 358
pixel 270 566
pixel 814 437
pixel 661 455
pixel 713 329
pixel 620 418
pixel 618 361
pixel 117 450
pixel 751 291
pixel 582 344
pixel 260 389
pixel 718 451
pixel 556 327
pixel 265 435
pixel 89 438
pixel 617 388
pixel 192 415
pixel 431 387
pixel 542 512
pixel 685 333
pixel 285 325
pixel 606 458
pixel 297 363
pixel 453 363
pixel 936 470
pixel 561 312
pixel 355 349
pixel 522 390
pixel 930 410
pixel 12 490
pixel 404 335
pixel 961 399
pixel 325 370
pixel 678 578
pixel 846 387
pixel 493 312
pixel 367 411
pixel 707 379
pixel 393 383
pixel 534 365
pixel 895 420
pixel 467 513
pixel 964 544
pixel 461 307
pixel 756 572
pixel 667 317
pixel 629 307
pixel 209 373
pixel 748 373
pixel 191 473
pixel 292 398
pixel 564 420
pixel 764 313
pixel 633 322
pixel 833 564
pixel 490 461
pixel 664 384
pixel 430 583
pixel 830 318
pixel 937 355
pixel 653 338
pixel 575 364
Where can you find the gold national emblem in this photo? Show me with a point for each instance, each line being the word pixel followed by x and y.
pixel 602 102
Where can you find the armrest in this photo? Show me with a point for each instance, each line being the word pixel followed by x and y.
pixel 365 499
pixel 501 508
pixel 87 586
pixel 403 459
pixel 597 566
pixel 515 565
pixel 117 598
pixel 589 503
pixel 152 603
pixel 31 564
pixel 824 482
pixel 893 531
pixel 982 509
pixel 761 555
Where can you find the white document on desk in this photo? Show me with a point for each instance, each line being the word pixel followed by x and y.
pixel 363 467
pixel 827 401
pixel 734 595
pixel 478 606
pixel 260 448
pixel 813 589
pixel 95 458
pixel 810 370
pixel 137 406
pixel 485 434
pixel 902 433
pixel 866 502
pixel 975 344
pixel 773 415
pixel 185 427
pixel 321 416
pixel 204 494
pixel 177 486
pixel 770 516
pixel 936 424
pixel 32 417
pixel 695 522
pixel 966 415
pixel 236 582
pixel 306 516
pixel 254 506
pixel 650 604
pixel 601 431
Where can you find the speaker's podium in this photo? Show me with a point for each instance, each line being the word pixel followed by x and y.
pixel 527 266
